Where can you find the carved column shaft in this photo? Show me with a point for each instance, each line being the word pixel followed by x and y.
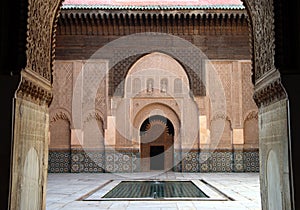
pixel 31 118
pixel 271 99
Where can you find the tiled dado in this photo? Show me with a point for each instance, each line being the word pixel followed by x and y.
pixel 122 161
pixel 229 161
pixel 91 161
pixel 190 161
pixel 216 161
pixel 59 161
pixel 251 161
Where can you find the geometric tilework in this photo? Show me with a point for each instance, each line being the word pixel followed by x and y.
pixel 121 162
pixel 190 162
pixel 204 161
pixel 228 161
pixel 221 162
pixel 251 161
pixel 85 161
pixel 59 162
pixel 238 161
pixel 218 161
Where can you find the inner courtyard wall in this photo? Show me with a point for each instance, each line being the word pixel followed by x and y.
pixel 236 150
pixel 226 45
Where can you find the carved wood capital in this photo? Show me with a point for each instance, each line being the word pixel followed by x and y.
pixel 269 89
pixel 34 88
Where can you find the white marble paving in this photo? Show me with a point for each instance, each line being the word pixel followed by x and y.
pixel 64 190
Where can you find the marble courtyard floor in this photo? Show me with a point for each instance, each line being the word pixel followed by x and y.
pixel 239 191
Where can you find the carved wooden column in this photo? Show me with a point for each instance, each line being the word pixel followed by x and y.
pixel 272 101
pixel 31 118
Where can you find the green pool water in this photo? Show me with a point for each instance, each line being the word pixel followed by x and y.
pixel 156 189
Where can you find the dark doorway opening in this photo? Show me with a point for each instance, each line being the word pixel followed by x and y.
pixel 157 158
pixel 157 139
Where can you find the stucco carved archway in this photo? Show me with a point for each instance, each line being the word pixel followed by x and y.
pixel 141 100
pixel 163 110
pixel 158 109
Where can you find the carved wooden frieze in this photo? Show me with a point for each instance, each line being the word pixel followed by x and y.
pixel 270 93
pixel 120 22
pixel 269 89
pixel 33 89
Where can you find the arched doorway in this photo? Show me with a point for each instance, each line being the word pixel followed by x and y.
pixel 157 143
